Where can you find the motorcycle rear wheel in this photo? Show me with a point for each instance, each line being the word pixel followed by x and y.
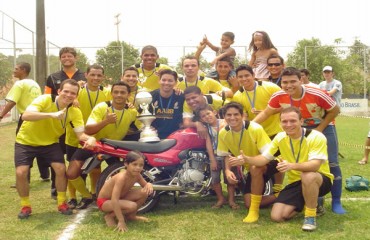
pixel 115 168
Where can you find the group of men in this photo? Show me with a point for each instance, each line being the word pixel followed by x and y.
pixel 296 134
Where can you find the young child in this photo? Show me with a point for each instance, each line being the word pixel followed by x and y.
pixel 208 116
pixel 261 48
pixel 227 39
pixel 118 200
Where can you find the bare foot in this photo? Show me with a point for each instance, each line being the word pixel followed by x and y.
pixel 109 220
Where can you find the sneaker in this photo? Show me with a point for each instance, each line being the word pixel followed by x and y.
pixel 84 203
pixel 320 209
pixel 25 212
pixel 93 196
pixel 64 209
pixel 45 179
pixel 72 203
pixel 53 193
pixel 309 224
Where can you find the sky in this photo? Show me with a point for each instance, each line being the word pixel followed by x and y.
pixel 175 27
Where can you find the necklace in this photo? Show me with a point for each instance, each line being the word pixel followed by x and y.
pixel 120 120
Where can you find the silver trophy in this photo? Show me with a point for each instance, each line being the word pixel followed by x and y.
pixel 148 134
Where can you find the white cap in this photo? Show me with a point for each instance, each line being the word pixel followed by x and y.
pixel 327 68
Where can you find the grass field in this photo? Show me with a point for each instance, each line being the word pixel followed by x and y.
pixel 192 217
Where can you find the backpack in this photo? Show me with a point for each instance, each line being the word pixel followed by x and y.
pixel 357 183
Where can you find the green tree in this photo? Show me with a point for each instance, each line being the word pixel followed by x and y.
pixel 310 52
pixel 6 67
pixel 82 61
pixel 110 58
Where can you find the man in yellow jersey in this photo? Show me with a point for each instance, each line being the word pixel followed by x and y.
pixel 89 96
pixel 149 68
pixel 194 99
pixel 254 96
pixel 190 66
pixel 247 136
pixel 22 93
pixel 68 59
pixel 305 161
pixel 45 120
pixel 107 120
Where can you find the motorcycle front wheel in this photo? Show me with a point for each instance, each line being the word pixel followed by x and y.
pixel 115 168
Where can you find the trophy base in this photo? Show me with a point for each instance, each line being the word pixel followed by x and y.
pixel 149 139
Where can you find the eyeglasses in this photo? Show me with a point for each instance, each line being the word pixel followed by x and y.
pixel 274 64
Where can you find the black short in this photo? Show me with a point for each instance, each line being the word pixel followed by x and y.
pixel 70 150
pixel 81 155
pixel 24 154
pixel 270 172
pixel 292 193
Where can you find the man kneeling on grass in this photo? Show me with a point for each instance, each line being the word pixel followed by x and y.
pixel 305 161
pixel 118 199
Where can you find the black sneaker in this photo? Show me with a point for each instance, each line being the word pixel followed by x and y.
pixel 84 203
pixel 53 193
pixel 72 203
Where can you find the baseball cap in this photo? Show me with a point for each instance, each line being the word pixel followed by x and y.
pixel 327 68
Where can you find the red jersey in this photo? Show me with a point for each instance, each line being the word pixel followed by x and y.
pixel 313 103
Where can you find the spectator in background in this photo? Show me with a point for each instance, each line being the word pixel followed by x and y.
pixel 305 78
pixel 365 159
pixel 331 85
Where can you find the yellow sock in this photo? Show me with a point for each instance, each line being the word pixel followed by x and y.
pixel 310 212
pixel 80 186
pixel 71 190
pixel 254 209
pixel 94 175
pixel 277 189
pixel 61 198
pixel 25 202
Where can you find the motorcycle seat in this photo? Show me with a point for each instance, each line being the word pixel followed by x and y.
pixel 155 147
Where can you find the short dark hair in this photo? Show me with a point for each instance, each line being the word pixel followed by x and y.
pixel 305 71
pixel 25 66
pixel 189 57
pixel 132 68
pixel 244 67
pixel 168 71
pixel 149 47
pixel 120 83
pixel 291 71
pixel 276 56
pixel 71 82
pixel 192 89
pixel 226 59
pixel 230 35
pixel 70 50
pixel 291 109
pixel 94 66
pixel 134 155
pixel 235 105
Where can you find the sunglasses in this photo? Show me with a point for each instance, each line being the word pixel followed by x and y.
pixel 274 64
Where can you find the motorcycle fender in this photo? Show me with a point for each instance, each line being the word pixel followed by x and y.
pixel 90 164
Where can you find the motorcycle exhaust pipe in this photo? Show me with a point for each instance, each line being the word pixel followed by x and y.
pixel 157 187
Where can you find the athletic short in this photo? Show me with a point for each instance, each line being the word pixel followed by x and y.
pixel 270 172
pixel 292 193
pixel 81 155
pixel 216 175
pixel 24 154
pixel 100 202
pixel 70 150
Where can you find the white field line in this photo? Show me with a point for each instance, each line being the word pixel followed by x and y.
pixel 68 232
